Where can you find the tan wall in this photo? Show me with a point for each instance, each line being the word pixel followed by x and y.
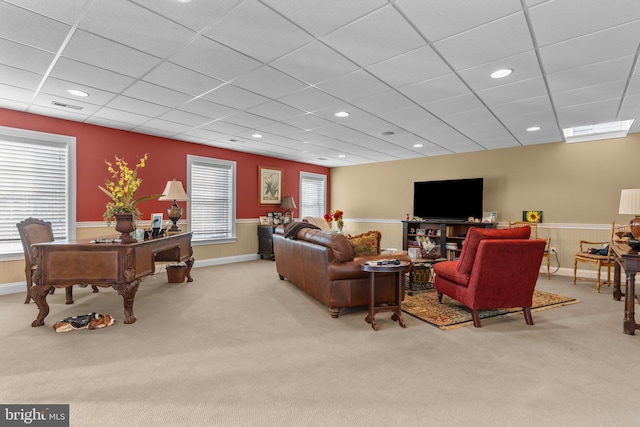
pixel 577 186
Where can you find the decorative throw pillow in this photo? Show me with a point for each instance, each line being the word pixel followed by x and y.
pixel 366 244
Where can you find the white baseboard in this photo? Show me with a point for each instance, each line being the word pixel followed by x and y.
pixel 21 287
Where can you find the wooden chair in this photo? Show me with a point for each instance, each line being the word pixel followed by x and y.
pixel 534 235
pixel 599 260
pixel 33 231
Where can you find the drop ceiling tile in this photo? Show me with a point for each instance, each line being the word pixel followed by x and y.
pixel 235 97
pixel 137 106
pixel 455 104
pixel 311 99
pixel 314 63
pixel 115 124
pixel 634 87
pixel 125 117
pixel 166 127
pixel 156 94
pixel 125 22
pixel 224 127
pixel 383 102
pixel 206 108
pixel 258 31
pixel 411 67
pixel 356 85
pixel 590 75
pixel 16 94
pixel 504 94
pixel 541 103
pixel 88 75
pixel 269 82
pixel 283 129
pixel 25 57
pixel 590 94
pixel 181 79
pixel 376 37
pixel 602 46
pixel 546 120
pixel 588 114
pixel 195 15
pixel 434 89
pixel 308 122
pixel 209 57
pixel 56 87
pixel 20 78
pixel 66 11
pixel 205 134
pixel 103 53
pixel 502 38
pixel 556 21
pixel 184 118
pixel 247 120
pixel 524 65
pixel 320 18
pixel 57 113
pixel 275 110
pixel 11 104
pixel 16 21
pixel 437 20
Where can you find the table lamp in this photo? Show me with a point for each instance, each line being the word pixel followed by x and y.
pixel 630 205
pixel 174 191
pixel 289 205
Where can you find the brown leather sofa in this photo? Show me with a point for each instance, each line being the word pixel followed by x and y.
pixel 323 264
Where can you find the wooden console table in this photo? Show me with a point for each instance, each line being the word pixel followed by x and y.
pixel 629 259
pixel 122 266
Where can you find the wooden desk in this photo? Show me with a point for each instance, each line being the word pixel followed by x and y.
pixel 122 266
pixel 629 259
pixel 399 271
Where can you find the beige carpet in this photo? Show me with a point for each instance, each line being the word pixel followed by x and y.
pixel 450 314
pixel 239 347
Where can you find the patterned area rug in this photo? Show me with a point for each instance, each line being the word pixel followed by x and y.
pixel 451 314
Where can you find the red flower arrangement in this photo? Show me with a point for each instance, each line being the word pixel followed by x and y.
pixel 335 215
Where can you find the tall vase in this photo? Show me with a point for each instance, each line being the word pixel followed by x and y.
pixel 125 225
pixel 340 226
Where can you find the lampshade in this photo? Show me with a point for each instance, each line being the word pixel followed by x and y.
pixel 288 203
pixel 174 191
pixel 630 205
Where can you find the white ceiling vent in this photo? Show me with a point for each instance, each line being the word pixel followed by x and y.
pixel 63 105
pixel 600 131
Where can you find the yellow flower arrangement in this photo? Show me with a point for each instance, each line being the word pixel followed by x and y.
pixel 123 187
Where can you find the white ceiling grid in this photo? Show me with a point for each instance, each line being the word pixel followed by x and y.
pixel 409 71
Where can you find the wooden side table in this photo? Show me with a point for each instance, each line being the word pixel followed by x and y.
pixel 399 271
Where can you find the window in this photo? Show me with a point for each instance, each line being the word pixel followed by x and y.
pixel 37 179
pixel 313 194
pixel 212 193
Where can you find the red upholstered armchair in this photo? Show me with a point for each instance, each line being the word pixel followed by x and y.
pixel 496 269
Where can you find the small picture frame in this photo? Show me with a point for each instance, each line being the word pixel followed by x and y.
pixel 532 216
pixel 156 220
pixel 264 220
pixel 269 185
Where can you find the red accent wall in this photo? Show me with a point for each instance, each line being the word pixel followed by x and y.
pixel 167 160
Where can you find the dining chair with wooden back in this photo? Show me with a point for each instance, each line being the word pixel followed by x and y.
pixel 534 235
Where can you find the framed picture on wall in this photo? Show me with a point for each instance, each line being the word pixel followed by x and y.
pixel 269 185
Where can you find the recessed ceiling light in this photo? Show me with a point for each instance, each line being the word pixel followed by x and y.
pixel 77 92
pixel 533 129
pixel 342 156
pixel 503 72
pixel 184 1
pixel 256 135
pixel 342 114
pixel 418 145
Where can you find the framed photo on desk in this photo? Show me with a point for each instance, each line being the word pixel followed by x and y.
pixel 156 220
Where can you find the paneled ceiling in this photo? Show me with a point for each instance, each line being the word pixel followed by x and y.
pixel 408 71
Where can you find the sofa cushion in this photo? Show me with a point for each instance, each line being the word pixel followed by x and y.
pixel 339 245
pixel 475 235
pixel 366 244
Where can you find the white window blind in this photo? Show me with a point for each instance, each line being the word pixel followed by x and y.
pixel 37 174
pixel 313 194
pixel 212 185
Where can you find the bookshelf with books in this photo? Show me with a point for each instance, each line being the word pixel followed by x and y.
pixel 447 236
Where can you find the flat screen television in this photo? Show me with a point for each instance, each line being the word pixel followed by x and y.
pixel 454 199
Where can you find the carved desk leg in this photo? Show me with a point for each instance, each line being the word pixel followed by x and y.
pixel 128 292
pixel 187 273
pixel 629 325
pixel 39 294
